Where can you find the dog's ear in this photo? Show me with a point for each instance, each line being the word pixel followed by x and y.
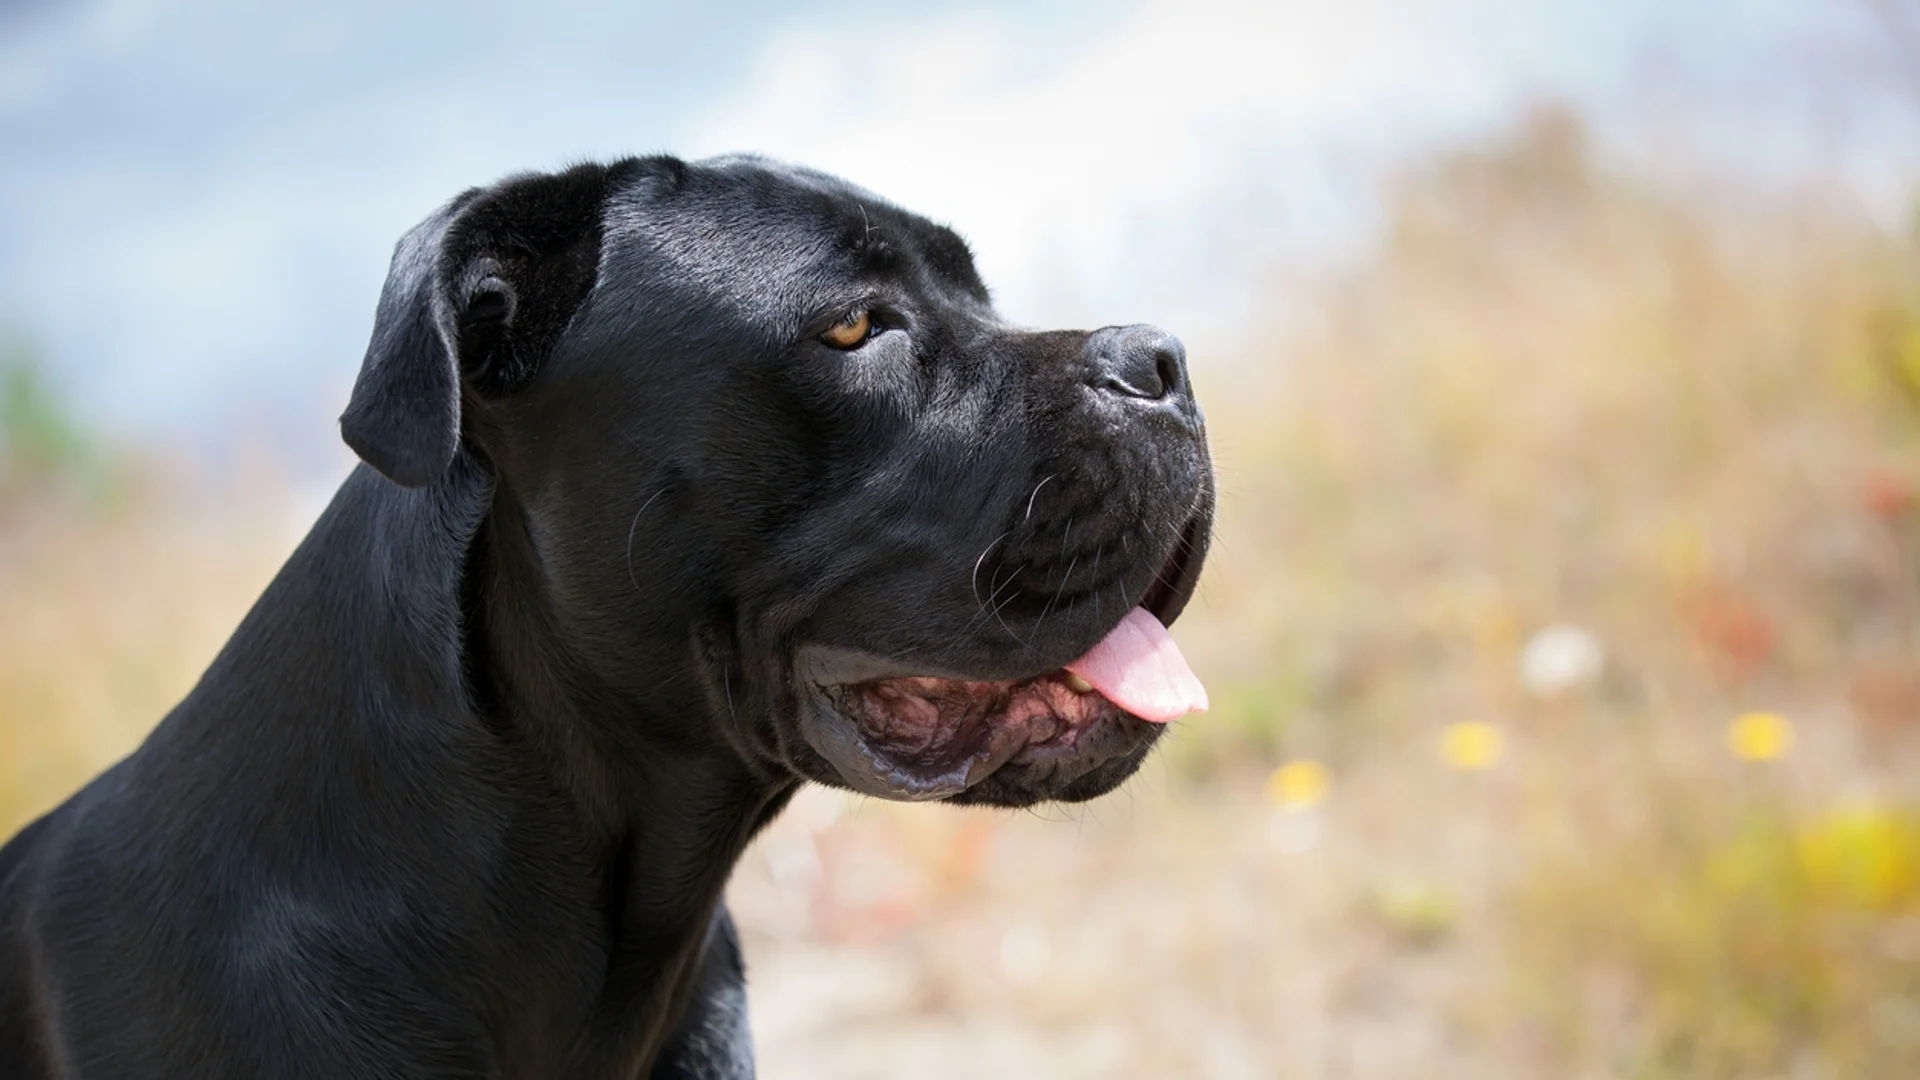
pixel 476 296
pixel 404 416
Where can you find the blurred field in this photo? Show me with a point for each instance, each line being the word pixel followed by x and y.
pixel 1564 638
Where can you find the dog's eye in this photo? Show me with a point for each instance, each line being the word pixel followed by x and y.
pixel 850 331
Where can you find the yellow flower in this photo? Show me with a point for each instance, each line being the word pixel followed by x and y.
pixel 1759 736
pixel 1299 784
pixel 1471 745
pixel 1862 856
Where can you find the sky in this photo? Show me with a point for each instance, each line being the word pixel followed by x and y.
pixel 198 198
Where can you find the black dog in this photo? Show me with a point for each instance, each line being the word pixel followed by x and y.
pixel 688 484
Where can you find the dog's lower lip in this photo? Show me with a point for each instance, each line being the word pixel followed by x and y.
pixel 929 737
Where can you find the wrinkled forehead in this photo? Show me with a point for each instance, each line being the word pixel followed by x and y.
pixel 777 244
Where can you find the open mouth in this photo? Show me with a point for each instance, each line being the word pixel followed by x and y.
pixel 918 736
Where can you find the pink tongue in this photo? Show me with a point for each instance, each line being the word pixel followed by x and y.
pixel 1140 669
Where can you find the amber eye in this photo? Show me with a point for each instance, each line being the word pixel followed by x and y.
pixel 850 331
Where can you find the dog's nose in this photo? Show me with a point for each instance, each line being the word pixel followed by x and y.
pixel 1138 361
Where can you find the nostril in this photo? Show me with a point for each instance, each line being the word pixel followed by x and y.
pixel 1167 366
pixel 1138 361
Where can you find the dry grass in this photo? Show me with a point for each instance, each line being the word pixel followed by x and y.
pixel 110 614
pixel 1687 433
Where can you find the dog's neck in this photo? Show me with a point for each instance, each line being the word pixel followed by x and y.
pixel 665 808
pixel 628 753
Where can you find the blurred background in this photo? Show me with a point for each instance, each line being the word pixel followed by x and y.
pixel 1563 368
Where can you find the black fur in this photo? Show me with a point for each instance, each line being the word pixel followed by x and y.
pixel 459 797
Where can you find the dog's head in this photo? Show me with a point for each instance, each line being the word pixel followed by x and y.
pixel 765 429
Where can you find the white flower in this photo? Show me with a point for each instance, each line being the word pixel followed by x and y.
pixel 1560 658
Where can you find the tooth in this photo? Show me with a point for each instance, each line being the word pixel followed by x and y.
pixel 1077 684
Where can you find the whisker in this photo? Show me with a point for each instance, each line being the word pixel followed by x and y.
pixel 1011 578
pixel 1098 615
pixel 1057 594
pixel 974 583
pixel 630 528
pixel 1035 495
pixel 989 610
